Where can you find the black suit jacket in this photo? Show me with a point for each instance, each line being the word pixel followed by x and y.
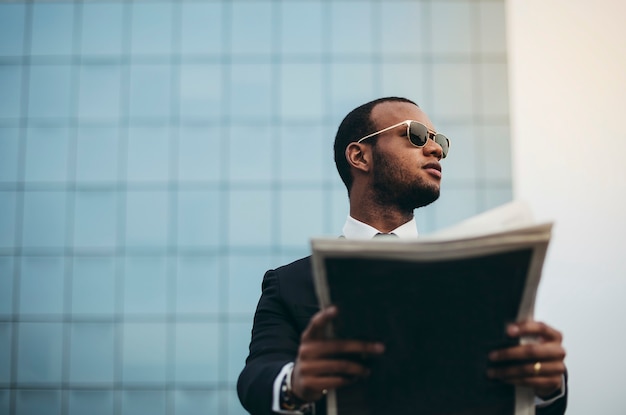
pixel 287 304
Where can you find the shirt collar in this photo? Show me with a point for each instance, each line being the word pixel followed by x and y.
pixel 354 229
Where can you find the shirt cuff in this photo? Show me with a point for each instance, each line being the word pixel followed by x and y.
pixel 540 403
pixel 276 391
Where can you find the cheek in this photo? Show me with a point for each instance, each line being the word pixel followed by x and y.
pixel 412 160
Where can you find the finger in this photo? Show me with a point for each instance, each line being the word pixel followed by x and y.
pixel 527 370
pixel 313 388
pixel 316 328
pixel 332 368
pixel 329 382
pixel 535 328
pixel 529 352
pixel 324 348
pixel 543 386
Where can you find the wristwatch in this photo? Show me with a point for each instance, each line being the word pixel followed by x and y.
pixel 288 400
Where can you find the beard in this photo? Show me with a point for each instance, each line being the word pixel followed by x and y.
pixel 394 187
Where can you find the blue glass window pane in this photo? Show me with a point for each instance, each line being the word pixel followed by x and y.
pixel 9 151
pixel 95 219
pixel 93 286
pixel 426 218
pixel 49 91
pixel 492 27
pixel 37 402
pixel 251 91
pixel 93 352
pixel 453 23
pixel 42 285
pixel 461 164
pixel 197 285
pixel 10 85
pixel 244 281
pixel 238 341
pixel 201 91
pixel 403 29
pixel 12 24
pixel 144 355
pixel 301 91
pixel 97 154
pixel 287 257
pixel 9 154
pixel 294 141
pixel 301 27
pixel 44 219
pixel 41 353
pixel 495 146
pixel 82 402
pixel 250 218
pixel 198 218
pixel 5 352
pixel 251 30
pixel 148 154
pixel 351 27
pixel 146 218
pixel 194 402
pixel 295 206
pixel 6 285
pixel 339 209
pixel 145 285
pixel 197 356
pixel 5 401
pixel 150 91
pixel 233 404
pixel 352 84
pixel 201 28
pixel 47 150
pixel 496 196
pixel 99 92
pixel 53 28
pixel 494 90
pixel 454 97
pixel 449 210
pixel 244 141
pixel 200 154
pixel 404 80
pixel 102 28
pixel 152 28
pixel 7 218
pixel 144 402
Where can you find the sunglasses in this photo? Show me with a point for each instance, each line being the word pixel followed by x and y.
pixel 418 135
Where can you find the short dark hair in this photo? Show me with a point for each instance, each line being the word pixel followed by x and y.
pixel 355 125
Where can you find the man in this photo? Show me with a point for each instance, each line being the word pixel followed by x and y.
pixel 388 172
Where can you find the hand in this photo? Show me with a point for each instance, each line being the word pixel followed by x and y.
pixel 324 363
pixel 538 365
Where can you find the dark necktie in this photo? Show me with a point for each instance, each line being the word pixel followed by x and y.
pixel 386 235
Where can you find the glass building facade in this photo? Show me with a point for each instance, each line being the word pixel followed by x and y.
pixel 156 157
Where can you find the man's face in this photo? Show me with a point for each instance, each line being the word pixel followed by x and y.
pixel 403 175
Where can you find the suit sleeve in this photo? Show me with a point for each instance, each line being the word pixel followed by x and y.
pixel 274 343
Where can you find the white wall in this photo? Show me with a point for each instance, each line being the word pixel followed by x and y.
pixel 568 106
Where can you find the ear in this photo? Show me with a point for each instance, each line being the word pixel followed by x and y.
pixel 359 156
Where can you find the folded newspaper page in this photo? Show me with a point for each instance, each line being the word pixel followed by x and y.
pixel 440 305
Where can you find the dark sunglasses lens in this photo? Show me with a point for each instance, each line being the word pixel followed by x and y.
pixel 418 134
pixel 443 141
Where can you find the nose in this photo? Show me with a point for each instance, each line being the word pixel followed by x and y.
pixel 431 148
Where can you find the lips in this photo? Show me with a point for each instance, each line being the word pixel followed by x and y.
pixel 434 169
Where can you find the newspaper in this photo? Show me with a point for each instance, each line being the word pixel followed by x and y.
pixel 440 305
